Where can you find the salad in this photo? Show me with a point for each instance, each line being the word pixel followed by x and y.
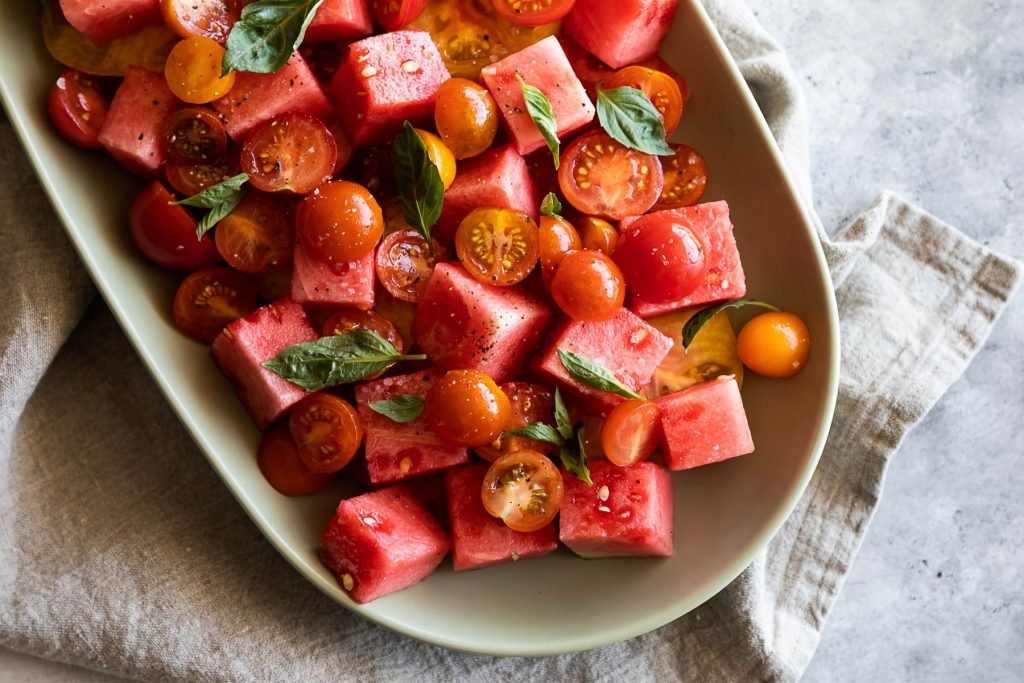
pixel 445 249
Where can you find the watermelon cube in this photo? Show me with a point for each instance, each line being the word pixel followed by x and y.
pixel 256 98
pixel 621 32
pixel 108 19
pixel 480 540
pixel 316 283
pixel 382 542
pixel 625 345
pixel 386 79
pixel 245 344
pixel 723 276
pixel 463 323
pixel 499 178
pixel 703 424
pixel 131 131
pixel 626 513
pixel 340 20
pixel 396 451
pixel 544 66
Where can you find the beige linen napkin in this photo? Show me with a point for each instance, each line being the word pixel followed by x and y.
pixel 120 550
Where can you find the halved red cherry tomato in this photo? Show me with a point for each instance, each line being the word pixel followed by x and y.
pixel 293 153
pixel 466 117
pixel 600 177
pixel 194 135
pixel 686 176
pixel 207 18
pixel 775 344
pixel 350 319
pixel 327 431
pixel 662 258
pixel 556 238
pixel 166 233
pixel 530 403
pixel 405 264
pixel 209 299
pixel 77 109
pixel 257 236
pixel 466 408
pixel 533 12
pixel 661 88
pixel 588 286
pixel 279 462
pixel 597 234
pixel 340 221
pixel 189 179
pixel 497 246
pixel 394 14
pixel 523 489
pixel 631 432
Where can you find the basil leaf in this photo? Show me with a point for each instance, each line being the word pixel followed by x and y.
pixel 592 374
pixel 576 461
pixel 221 199
pixel 562 421
pixel 267 34
pixel 699 319
pixel 550 206
pixel 538 431
pixel 420 190
pixel 401 408
pixel 334 360
pixel 628 115
pixel 538 106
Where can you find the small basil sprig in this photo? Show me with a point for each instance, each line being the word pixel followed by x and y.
pixel 550 206
pixel 628 115
pixel 420 189
pixel 701 317
pixel 592 374
pixel 334 360
pixel 562 421
pixel 572 455
pixel 221 199
pixel 267 34
pixel 538 106
pixel 401 408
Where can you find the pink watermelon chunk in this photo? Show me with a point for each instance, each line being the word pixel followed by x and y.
pixel 397 451
pixel 256 98
pixel 480 540
pixel 382 542
pixel 462 323
pixel 386 79
pixel 131 131
pixel 340 20
pixel 245 344
pixel 499 177
pixel 627 512
pixel 319 284
pixel 108 19
pixel 723 279
pixel 625 345
pixel 620 32
pixel 703 424
pixel 544 66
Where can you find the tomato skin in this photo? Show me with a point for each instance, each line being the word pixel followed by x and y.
pixel 686 176
pixel 527 13
pixel 190 179
pixel 597 234
pixel 404 264
pixel 194 135
pixel 327 431
pixel 279 462
pixel 347 320
pixel 588 286
pixel 466 408
pixel 556 238
pixel 660 88
pixel 602 178
pixel 497 246
pixel 166 234
pixel 774 344
pixel 209 299
pixel 193 71
pixel 293 153
pixel 256 237
pixel 631 432
pixel 662 259
pixel 392 15
pixel 466 117
pixel 440 155
pixel 530 403
pixel 523 489
pixel 340 221
pixel 77 109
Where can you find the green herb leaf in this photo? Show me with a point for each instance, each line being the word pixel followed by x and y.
pixel 538 106
pixel 538 431
pixel 334 360
pixel 267 34
pixel 221 199
pixel 699 319
pixel 562 421
pixel 401 408
pixel 628 115
pixel 592 374
pixel 420 190
pixel 550 206
pixel 575 460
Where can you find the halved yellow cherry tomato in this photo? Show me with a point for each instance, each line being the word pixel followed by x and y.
pixel 775 344
pixel 661 88
pixel 498 246
pixel 523 489
pixel 193 71
pixel 711 354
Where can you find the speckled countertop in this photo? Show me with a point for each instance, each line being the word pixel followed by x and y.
pixel 926 98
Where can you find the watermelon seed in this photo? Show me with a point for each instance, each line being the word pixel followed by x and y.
pixel 604 508
pixel 347 582
pixel 368 71
pixel 603 493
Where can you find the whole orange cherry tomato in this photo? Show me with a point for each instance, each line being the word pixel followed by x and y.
pixel 340 221
pixel 440 155
pixel 327 431
pixel 774 344
pixel 530 403
pixel 466 117
pixel 193 71
pixel 597 234
pixel 466 408
pixel 523 489
pixel 556 238
pixel 588 286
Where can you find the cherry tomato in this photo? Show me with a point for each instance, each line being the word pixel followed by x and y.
pixel 597 234
pixel 631 432
pixel 193 71
pixel 497 246
pixel 189 179
pixel 194 135
pixel 77 109
pixel 774 344
pixel 166 233
pixel 530 403
pixel 256 237
pixel 466 408
pixel 404 264
pixel 556 237
pixel 392 15
pixel 588 286
pixel 209 299
pixel 466 117
pixel 292 153
pixel 440 155
pixel 686 176
pixel 600 177
pixel 279 462
pixel 207 18
pixel 327 431
pixel 711 354
pixel 533 12
pixel 340 221
pixel 660 88
pixel 662 258
pixel 350 319
pixel 523 489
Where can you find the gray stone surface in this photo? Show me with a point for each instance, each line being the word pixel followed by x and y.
pixel 927 98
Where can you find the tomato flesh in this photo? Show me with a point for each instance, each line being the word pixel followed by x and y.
pixel 600 177
pixel 523 489
pixel 340 221
pixel 588 286
pixel 206 18
pixel 166 233
pixel 347 320
pixel 712 353
pixel 77 109
pixel 256 237
pixel 686 176
pixel 194 135
pixel 662 258
pixel 530 403
pixel 466 408
pixel 209 299
pixel 660 88
pixel 193 71
pixel 497 246
pixel 533 12
pixel 775 344
pixel 327 431
pixel 404 264
pixel 293 153
pixel 466 117
pixel 279 462
pixel 631 432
